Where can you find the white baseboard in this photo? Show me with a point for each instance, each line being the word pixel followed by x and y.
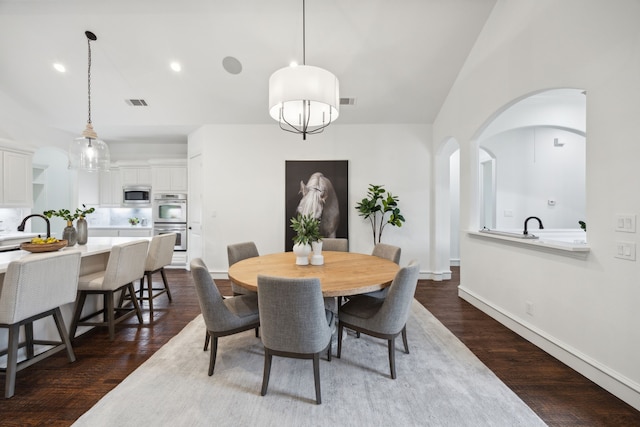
pixel 612 381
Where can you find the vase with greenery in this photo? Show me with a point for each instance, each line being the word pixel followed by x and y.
pixel 81 223
pixel 69 233
pixel 307 229
pixel 380 207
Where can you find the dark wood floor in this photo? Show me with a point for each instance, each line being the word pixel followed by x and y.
pixel 55 392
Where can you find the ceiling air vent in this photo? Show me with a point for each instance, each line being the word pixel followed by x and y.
pixel 136 102
pixel 347 101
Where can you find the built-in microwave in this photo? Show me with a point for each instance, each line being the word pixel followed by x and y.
pixel 136 196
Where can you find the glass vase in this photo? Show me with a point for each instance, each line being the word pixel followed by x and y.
pixel 69 234
pixel 83 232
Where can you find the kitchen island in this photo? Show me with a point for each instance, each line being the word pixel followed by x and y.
pixel 93 257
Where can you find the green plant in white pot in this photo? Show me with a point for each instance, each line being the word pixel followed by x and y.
pixel 307 230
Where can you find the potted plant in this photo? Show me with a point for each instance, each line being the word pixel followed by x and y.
pixel 69 233
pixel 376 206
pixel 134 221
pixel 307 229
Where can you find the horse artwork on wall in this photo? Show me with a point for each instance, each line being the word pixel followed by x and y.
pixel 318 188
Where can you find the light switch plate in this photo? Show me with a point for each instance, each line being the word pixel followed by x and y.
pixel 626 250
pixel 626 223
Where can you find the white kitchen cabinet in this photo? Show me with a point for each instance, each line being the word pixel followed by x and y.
pixel 133 232
pixel 136 175
pixel 169 179
pixel 119 232
pixel 17 178
pixel 110 188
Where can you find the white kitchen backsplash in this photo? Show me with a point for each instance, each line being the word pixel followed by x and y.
pixel 11 218
pixel 118 217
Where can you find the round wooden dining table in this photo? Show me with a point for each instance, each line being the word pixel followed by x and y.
pixel 342 274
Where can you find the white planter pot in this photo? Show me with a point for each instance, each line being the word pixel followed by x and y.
pixel 317 258
pixel 302 253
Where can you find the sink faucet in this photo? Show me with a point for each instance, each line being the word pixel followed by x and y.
pixel 527 220
pixel 24 221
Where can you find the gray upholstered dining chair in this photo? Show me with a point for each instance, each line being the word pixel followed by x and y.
pixel 294 323
pixel 390 252
pixel 159 256
pixel 238 252
pixel 35 287
pixel 337 244
pixel 222 316
pixel 125 266
pixel 382 318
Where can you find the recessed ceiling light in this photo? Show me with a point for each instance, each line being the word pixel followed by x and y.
pixel 59 67
pixel 175 66
pixel 293 64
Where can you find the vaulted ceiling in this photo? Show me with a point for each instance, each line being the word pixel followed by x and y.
pixel 397 59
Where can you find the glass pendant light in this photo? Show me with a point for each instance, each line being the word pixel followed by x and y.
pixel 87 152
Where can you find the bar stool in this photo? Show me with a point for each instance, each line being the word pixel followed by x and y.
pixel 126 265
pixel 159 256
pixel 35 287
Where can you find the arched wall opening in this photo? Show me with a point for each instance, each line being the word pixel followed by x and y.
pixel 532 162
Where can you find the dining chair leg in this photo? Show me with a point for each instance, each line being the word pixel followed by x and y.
pixel 206 341
pixel 64 336
pixel 392 356
pixel 340 327
pixel 12 361
pixel 214 353
pixel 316 376
pixel 404 339
pixel 267 371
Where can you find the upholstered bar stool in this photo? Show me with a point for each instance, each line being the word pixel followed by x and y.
pixel 125 266
pixel 159 256
pixel 35 287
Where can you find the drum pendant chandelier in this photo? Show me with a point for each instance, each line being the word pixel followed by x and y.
pixel 88 152
pixel 303 99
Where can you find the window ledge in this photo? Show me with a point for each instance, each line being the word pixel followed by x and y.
pixel 545 243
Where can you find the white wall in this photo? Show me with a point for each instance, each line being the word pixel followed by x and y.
pixel 244 173
pixel 585 310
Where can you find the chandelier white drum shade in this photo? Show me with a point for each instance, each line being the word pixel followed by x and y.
pixel 87 152
pixel 304 99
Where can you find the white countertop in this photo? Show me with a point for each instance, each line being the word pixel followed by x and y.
pixel 94 246
pixel 15 235
pixel 121 227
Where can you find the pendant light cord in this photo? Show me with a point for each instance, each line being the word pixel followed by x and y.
pixel 304 58
pixel 89 77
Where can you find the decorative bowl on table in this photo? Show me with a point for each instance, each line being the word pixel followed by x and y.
pixel 43 247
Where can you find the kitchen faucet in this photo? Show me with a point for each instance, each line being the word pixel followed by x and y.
pixel 527 220
pixel 24 221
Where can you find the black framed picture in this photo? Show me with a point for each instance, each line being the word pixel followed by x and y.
pixel 318 187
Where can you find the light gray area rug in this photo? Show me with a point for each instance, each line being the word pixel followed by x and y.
pixel 440 383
